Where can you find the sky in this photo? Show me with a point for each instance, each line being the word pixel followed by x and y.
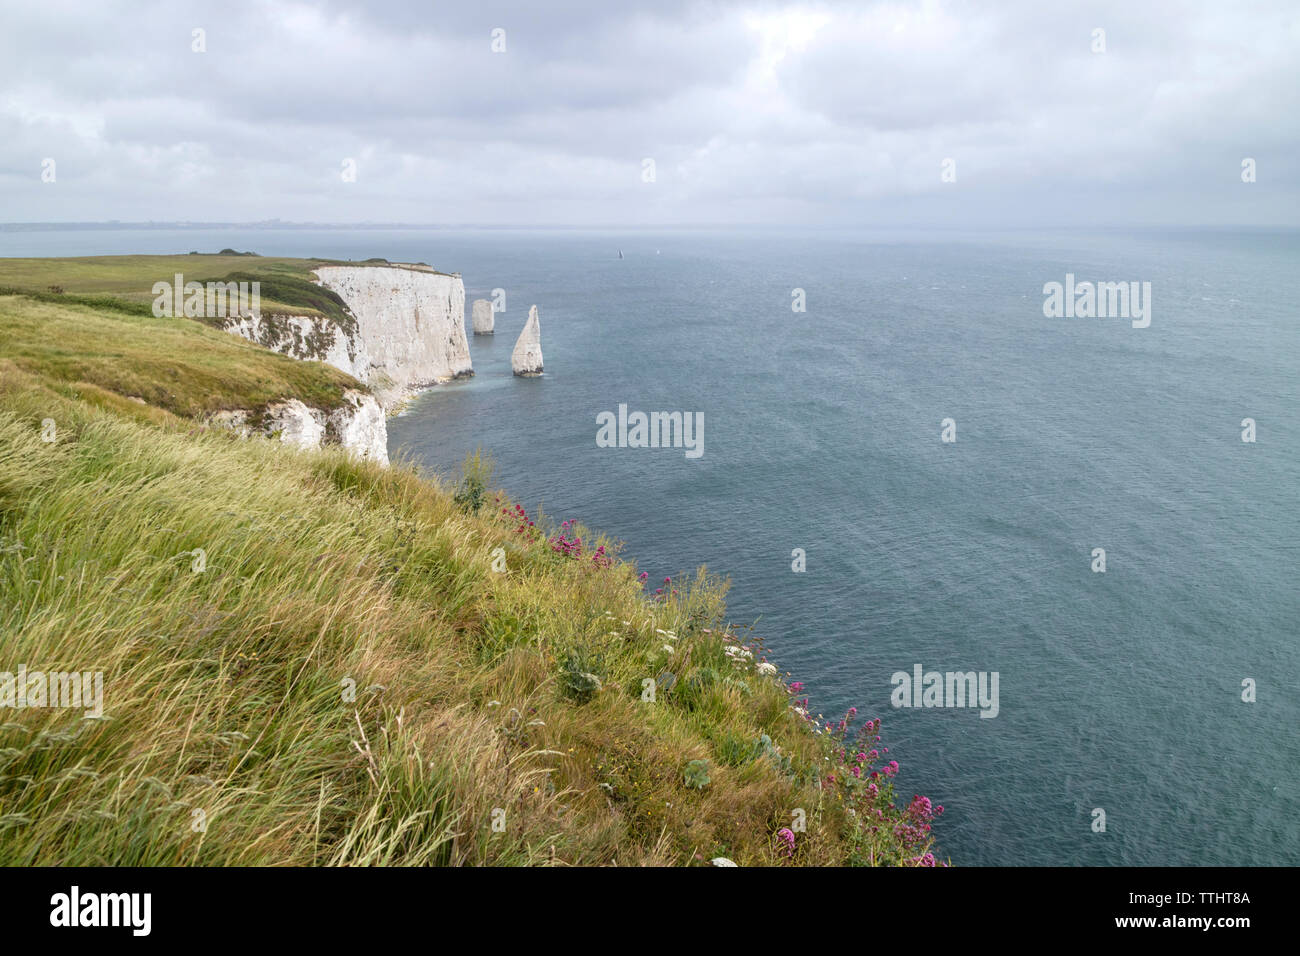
pixel 620 113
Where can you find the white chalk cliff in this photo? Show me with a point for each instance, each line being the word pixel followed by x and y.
pixel 306 337
pixel 526 359
pixel 357 425
pixel 410 326
pixel 360 425
pixel 482 317
pixel 403 330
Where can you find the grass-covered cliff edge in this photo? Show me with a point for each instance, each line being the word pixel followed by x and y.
pixel 312 660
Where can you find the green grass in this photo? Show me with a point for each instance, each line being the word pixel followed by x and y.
pixel 347 677
pixel 294 294
pixel 178 365
pixel 286 289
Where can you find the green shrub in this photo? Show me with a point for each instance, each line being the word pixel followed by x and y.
pixel 697 774
pixel 476 473
pixel 578 677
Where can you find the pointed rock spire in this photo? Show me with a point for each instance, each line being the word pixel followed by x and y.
pixel 482 317
pixel 526 359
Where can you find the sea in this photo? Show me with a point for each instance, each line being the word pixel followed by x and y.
pixel 907 464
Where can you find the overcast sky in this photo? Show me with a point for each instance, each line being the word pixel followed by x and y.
pixel 752 112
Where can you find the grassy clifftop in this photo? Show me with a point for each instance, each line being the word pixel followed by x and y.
pixel 108 350
pixel 311 660
pixel 287 286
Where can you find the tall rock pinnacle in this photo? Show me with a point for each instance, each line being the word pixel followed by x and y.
pixel 526 359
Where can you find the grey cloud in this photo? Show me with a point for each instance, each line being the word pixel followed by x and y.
pixel 822 112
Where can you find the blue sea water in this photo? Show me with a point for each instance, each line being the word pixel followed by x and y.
pixel 1119 690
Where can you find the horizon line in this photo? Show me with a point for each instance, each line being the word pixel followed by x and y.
pixel 19 226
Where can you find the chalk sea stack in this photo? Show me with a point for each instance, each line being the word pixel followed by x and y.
pixel 526 359
pixel 482 317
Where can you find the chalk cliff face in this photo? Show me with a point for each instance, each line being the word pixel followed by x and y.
pixel 403 330
pixel 410 326
pixel 482 318
pixel 358 425
pixel 526 359
pixel 310 338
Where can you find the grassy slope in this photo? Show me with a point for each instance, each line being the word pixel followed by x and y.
pixel 131 278
pixel 223 686
pixel 174 364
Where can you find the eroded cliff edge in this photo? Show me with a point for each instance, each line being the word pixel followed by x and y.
pixel 396 328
